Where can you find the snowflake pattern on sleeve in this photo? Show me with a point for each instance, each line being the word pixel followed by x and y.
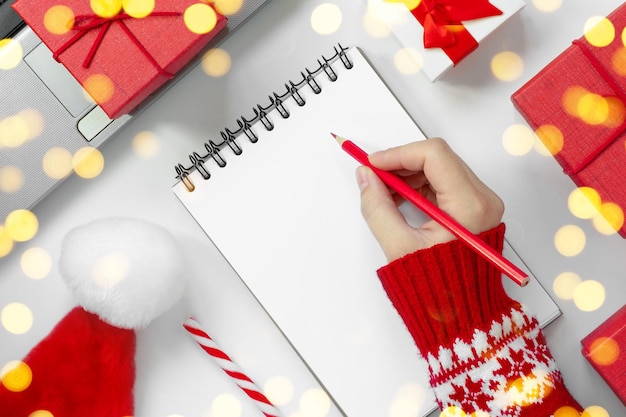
pixel 501 370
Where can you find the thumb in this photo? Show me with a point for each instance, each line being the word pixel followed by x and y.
pixel 381 214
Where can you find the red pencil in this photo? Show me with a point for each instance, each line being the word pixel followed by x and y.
pixel 435 213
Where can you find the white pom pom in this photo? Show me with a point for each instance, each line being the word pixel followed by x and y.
pixel 127 271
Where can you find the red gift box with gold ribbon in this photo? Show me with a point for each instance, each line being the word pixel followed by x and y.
pixel 121 51
pixel 577 107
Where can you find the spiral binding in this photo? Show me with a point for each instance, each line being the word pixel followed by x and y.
pixel 245 126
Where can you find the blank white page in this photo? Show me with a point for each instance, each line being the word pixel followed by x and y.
pixel 286 215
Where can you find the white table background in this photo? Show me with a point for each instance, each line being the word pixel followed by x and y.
pixel 468 106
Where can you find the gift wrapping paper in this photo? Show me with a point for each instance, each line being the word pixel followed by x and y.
pixel 120 56
pixel 576 105
pixel 605 349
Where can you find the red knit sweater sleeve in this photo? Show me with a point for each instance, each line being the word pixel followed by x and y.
pixel 485 352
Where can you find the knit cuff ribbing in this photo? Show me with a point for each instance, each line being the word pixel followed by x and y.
pixel 446 291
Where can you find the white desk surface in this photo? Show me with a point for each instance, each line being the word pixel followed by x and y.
pixel 468 106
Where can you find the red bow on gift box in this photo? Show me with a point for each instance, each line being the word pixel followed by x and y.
pixel 443 24
pixel 91 22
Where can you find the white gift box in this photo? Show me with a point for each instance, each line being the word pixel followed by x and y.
pixel 434 62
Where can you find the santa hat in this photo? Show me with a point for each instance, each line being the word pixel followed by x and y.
pixel 123 273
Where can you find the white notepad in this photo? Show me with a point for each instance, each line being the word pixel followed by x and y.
pixel 286 215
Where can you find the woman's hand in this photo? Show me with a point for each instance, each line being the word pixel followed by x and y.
pixel 432 168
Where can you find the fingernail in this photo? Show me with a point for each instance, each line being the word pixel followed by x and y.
pixel 362 177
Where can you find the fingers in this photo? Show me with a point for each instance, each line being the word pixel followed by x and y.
pixel 433 158
pixel 453 185
pixel 385 221
pixel 432 168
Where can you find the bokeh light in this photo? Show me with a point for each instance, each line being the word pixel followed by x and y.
pixel 604 351
pixel 326 18
pixel 200 18
pixel 584 202
pixel 527 389
pixel 106 8
pixel 599 31
pixel 6 242
pixel 228 7
pixel 279 390
pixel 618 61
pixel 146 144
pixel 547 6
pixel 41 413
pixel 59 19
pixel 14 131
pixel 566 411
pixel 21 225
pixel 452 411
pixel 408 61
pixel 507 66
pixel 565 284
pixel 595 411
pixel 610 218
pixel 110 269
pixel 16 376
pixel 408 401
pixel 88 162
pixel 518 139
pixel 16 318
pixel 315 403
pixel 571 97
pixel 569 240
pixel 593 109
pixel 11 179
pixel 216 62
pixel 382 15
pixel 410 4
pixel 99 87
pixel 226 405
pixel 57 163
pixel 617 112
pixel 34 120
pixel 589 295
pixel 551 138
pixel 36 263
pixel 11 53
pixel 138 8
pixel 375 26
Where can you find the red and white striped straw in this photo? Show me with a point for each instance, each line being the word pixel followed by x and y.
pixel 230 368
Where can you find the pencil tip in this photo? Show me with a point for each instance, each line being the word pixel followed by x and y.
pixel 339 139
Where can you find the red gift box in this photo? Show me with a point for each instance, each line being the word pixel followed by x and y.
pixel 605 349
pixel 120 59
pixel 576 104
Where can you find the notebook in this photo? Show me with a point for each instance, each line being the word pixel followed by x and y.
pixel 278 198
